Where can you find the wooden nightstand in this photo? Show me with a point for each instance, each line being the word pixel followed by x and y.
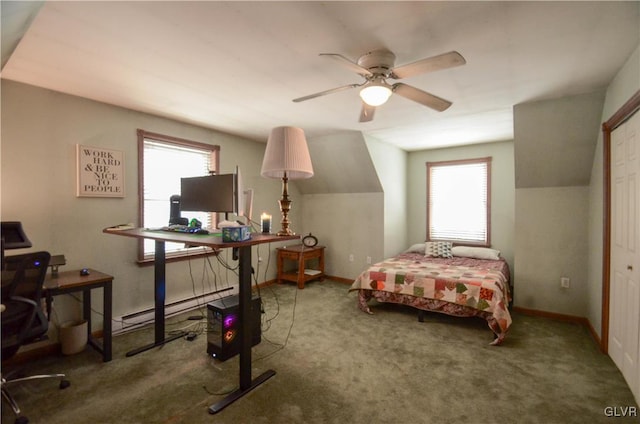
pixel 300 254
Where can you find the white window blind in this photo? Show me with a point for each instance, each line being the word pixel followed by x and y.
pixel 458 201
pixel 165 163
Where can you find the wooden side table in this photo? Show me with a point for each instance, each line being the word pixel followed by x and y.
pixel 300 254
pixel 72 281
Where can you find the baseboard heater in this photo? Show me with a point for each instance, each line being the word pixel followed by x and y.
pixel 138 319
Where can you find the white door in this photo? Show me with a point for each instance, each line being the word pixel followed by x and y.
pixel 624 306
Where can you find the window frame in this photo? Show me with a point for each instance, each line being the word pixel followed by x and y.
pixel 214 162
pixel 487 161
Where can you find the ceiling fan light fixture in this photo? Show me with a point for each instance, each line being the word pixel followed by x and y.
pixel 375 94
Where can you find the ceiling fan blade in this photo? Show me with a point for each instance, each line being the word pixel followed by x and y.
pixel 422 97
pixel 367 112
pixel 324 93
pixel 349 64
pixel 431 64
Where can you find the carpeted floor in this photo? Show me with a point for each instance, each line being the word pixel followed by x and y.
pixel 336 364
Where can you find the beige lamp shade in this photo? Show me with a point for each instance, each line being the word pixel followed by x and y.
pixel 287 154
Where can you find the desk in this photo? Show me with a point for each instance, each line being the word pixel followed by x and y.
pixel 72 281
pixel 244 256
pixel 301 254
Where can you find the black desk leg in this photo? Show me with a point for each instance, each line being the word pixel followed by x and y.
pixel 246 384
pixel 105 348
pixel 86 310
pixel 160 293
pixel 106 326
pixel 160 289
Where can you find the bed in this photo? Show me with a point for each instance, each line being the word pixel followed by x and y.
pixel 434 276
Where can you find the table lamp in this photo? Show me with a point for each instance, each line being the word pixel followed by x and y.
pixel 286 157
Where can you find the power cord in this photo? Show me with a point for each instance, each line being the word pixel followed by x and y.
pixel 286 341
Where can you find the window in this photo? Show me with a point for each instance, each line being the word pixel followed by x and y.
pixel 459 201
pixel 162 161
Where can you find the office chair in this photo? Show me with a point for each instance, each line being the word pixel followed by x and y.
pixel 23 319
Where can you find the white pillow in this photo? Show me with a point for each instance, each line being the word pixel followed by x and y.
pixel 416 248
pixel 476 252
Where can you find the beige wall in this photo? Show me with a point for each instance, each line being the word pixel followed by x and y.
pixel 347 224
pixel 551 242
pixel 391 166
pixel 554 146
pixel 40 129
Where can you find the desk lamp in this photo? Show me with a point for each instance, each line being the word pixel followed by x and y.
pixel 286 157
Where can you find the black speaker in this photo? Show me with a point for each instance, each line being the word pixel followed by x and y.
pixel 223 326
pixel 174 211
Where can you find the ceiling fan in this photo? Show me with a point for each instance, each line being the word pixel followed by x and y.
pixel 377 66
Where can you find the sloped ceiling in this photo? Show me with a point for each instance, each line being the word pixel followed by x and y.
pixel 342 164
pixel 236 66
pixel 555 140
pixel 16 19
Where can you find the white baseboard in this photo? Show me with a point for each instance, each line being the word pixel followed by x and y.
pixel 136 320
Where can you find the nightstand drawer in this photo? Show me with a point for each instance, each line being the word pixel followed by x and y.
pixel 289 255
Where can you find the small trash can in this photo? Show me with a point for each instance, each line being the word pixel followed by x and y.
pixel 73 337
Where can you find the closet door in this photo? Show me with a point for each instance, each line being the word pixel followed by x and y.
pixel 624 306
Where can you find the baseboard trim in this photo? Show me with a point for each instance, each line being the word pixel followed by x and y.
pixel 340 279
pixel 553 315
pixel 561 317
pixel 267 283
pixel 526 311
pixel 55 348
pixel 40 350
pixel 595 336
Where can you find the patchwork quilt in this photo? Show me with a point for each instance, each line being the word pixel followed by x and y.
pixel 455 286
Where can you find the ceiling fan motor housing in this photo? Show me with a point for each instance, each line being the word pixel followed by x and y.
pixel 378 62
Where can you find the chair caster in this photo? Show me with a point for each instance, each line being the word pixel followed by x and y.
pixel 64 384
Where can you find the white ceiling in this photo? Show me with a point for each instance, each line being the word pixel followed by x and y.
pixel 236 66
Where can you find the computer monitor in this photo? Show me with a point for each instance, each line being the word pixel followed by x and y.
pixel 13 236
pixel 239 193
pixel 212 193
pixel 247 205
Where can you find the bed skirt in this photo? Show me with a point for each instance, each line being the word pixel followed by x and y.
pixel 432 305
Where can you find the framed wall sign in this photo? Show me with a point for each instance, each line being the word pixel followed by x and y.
pixel 100 172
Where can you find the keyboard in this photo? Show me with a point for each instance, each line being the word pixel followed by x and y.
pixel 178 228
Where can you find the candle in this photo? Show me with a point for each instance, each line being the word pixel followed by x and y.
pixel 265 222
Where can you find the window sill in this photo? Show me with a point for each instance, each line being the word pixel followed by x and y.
pixel 463 243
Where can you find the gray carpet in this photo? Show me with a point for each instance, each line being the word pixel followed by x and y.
pixel 336 364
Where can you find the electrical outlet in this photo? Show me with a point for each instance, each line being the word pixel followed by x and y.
pixel 565 282
pixel 351 257
pixel 369 259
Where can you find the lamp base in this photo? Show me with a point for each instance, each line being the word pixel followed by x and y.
pixel 288 232
pixel 285 207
